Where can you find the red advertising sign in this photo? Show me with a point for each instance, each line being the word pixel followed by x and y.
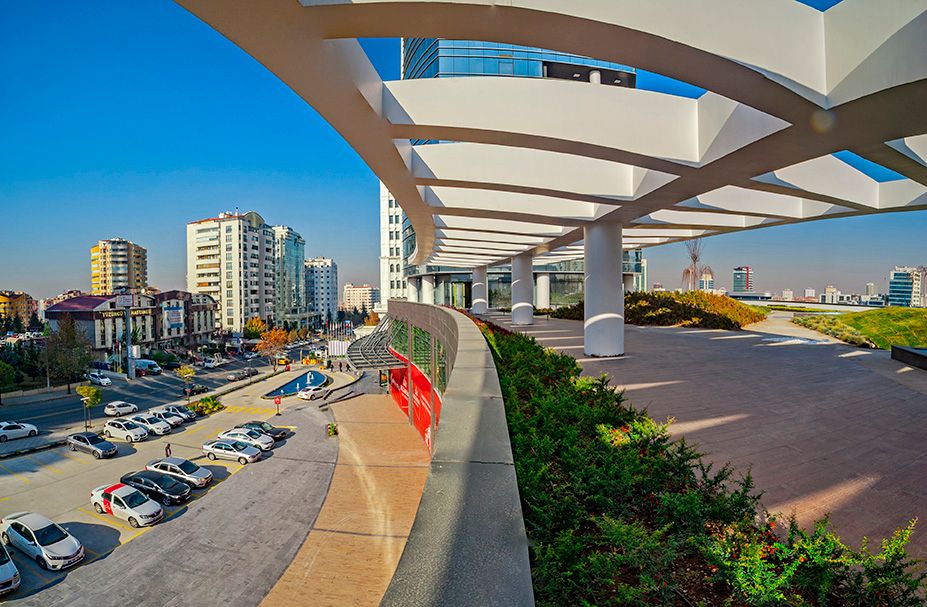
pixel 421 398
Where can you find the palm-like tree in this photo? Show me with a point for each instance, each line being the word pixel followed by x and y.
pixel 696 269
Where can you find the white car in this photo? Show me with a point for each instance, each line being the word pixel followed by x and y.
pixel 210 363
pixel 119 407
pixel 41 540
pixel 152 424
pixel 99 379
pixel 183 470
pixel 172 418
pixel 10 430
pixel 9 575
pixel 312 392
pixel 125 429
pixel 250 437
pixel 228 449
pixel 251 355
pixel 127 503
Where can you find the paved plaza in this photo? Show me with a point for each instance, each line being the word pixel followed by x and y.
pixel 824 427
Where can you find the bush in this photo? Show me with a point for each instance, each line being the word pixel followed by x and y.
pixel 687 309
pixel 207 405
pixel 618 513
pixel 833 326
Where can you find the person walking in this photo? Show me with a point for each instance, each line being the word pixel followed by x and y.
pixel 167 449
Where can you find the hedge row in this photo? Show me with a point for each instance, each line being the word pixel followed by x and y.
pixel 617 513
pixel 833 326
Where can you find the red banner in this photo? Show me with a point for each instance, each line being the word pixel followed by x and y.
pixel 421 397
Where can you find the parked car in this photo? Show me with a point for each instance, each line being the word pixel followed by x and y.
pixel 92 443
pixel 251 355
pixel 11 430
pixel 148 366
pixel 283 360
pixel 182 469
pixel 9 575
pixel 242 374
pixel 194 389
pixel 271 431
pixel 249 436
pixel 152 424
pixel 171 365
pixel 171 418
pixel 125 429
pixel 185 413
pixel 210 363
pixel 234 450
pixel 119 407
pixel 312 392
pixel 127 503
pixel 158 486
pixel 140 372
pixel 98 379
pixel 101 365
pixel 43 541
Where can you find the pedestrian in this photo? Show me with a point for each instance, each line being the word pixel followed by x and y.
pixel 167 449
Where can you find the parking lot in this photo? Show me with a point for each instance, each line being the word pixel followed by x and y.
pixel 57 482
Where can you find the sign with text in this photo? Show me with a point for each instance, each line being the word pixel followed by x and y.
pixel 125 301
pixel 173 315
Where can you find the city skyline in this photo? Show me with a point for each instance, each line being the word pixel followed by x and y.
pixel 126 156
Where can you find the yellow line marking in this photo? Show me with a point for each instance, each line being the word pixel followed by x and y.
pixel 3 499
pixel 288 427
pixel 195 430
pixel 16 474
pixel 111 520
pixel 43 464
pixel 73 458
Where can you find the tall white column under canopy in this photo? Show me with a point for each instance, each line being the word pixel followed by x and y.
pixel 428 289
pixel 412 289
pixel 522 290
pixel 480 290
pixel 628 281
pixel 603 329
pixel 542 297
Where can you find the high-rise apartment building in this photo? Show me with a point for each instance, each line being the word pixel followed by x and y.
pixel 870 289
pixel 809 292
pixel 118 265
pixel 787 295
pixel 641 278
pixel 904 287
pixel 392 262
pixel 322 288
pixel 362 297
pixel 290 286
pixel 742 281
pixel 17 304
pixel 706 282
pixel 231 258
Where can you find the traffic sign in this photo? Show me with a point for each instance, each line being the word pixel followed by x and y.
pixel 276 400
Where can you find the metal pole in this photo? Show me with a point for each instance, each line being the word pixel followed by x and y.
pixel 128 335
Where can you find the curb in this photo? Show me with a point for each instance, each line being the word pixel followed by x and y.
pixel 27 450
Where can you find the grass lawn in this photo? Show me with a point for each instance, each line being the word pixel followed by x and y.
pixel 890 326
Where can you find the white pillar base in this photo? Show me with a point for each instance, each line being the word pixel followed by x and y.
pixel 522 290
pixel 542 295
pixel 603 328
pixel 428 289
pixel 480 290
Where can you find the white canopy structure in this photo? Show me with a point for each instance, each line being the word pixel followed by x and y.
pixel 564 169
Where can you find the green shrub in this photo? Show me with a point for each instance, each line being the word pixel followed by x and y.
pixel 833 326
pixel 686 309
pixel 619 513
pixel 207 405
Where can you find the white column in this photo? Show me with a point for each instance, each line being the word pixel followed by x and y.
pixel 522 290
pixel 542 297
pixel 595 77
pixel 480 290
pixel 428 289
pixel 412 289
pixel 628 281
pixel 603 330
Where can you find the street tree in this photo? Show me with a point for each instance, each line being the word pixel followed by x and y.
pixel 69 351
pixel 91 397
pixel 35 325
pixel 17 325
pixel 7 377
pixel 186 373
pixel 273 345
pixel 254 328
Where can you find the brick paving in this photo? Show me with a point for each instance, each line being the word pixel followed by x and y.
pixel 824 428
pixel 355 543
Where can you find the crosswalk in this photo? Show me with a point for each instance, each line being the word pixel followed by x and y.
pixel 251 410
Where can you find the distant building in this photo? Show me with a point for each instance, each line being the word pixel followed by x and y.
pixel 361 297
pixel 787 295
pixel 44 304
pixel 184 320
pixel 392 261
pixel 809 292
pixel 658 286
pixel 831 295
pixel 231 258
pixel 706 282
pixel 290 286
pixel 742 280
pixel 641 279
pixel 102 322
pixel 321 275
pixel 117 265
pixel 870 289
pixel 17 304
pixel 904 287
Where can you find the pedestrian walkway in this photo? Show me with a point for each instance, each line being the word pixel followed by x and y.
pixel 354 546
pixel 825 428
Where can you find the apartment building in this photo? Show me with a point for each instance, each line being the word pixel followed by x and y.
pixel 905 288
pixel 392 261
pixel 321 275
pixel 118 265
pixel 231 258
pixel 362 297
pixel 17 304
pixel 184 320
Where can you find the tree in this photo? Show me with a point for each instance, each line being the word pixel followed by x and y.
pixel 92 396
pixel 292 335
pixel 17 324
pixel 695 270
pixel 254 328
pixel 303 333
pixel 186 373
pixel 273 344
pixel 7 375
pixel 373 319
pixel 35 325
pixel 68 350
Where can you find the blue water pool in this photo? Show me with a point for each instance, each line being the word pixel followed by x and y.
pixel 309 379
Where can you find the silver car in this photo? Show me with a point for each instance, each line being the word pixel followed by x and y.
pixel 92 443
pixel 249 436
pixel 233 450
pixel 152 424
pixel 9 575
pixel 171 418
pixel 183 470
pixel 41 540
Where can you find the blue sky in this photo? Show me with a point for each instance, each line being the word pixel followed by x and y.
pixel 132 118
